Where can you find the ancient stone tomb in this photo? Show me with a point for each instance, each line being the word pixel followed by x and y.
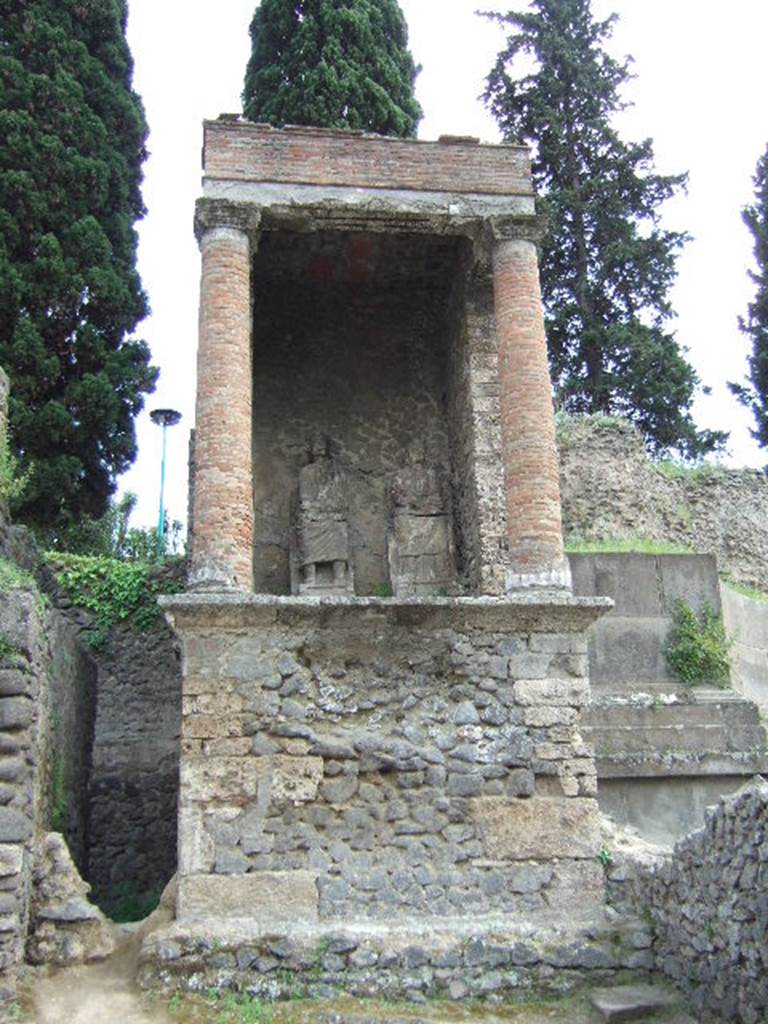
pixel 384 666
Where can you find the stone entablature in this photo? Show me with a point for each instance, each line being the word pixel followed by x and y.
pixel 390 245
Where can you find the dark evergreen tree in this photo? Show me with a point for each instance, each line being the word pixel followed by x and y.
pixel 607 266
pixel 332 64
pixel 755 394
pixel 72 144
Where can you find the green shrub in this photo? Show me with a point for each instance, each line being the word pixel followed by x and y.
pixel 697 647
pixel 111 590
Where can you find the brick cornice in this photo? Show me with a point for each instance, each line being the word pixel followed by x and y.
pixel 226 213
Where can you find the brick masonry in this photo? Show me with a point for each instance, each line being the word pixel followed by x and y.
pixel 238 150
pixel 531 469
pixel 223 503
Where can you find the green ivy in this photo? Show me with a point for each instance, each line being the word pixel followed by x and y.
pixel 697 648
pixel 112 591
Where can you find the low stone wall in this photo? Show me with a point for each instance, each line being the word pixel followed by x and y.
pixel 610 489
pixel 709 906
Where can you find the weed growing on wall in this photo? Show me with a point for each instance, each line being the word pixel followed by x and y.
pixel 697 647
pixel 12 480
pixel 112 591
pixel 12 577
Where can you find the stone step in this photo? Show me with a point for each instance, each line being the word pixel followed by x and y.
pixel 632 1002
pixel 700 726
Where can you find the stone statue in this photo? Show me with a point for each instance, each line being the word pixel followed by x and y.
pixel 321 563
pixel 420 539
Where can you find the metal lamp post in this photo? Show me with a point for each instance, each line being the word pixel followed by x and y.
pixel 165 418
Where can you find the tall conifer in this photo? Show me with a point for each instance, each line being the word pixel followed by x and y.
pixel 73 134
pixel 755 394
pixel 607 266
pixel 332 64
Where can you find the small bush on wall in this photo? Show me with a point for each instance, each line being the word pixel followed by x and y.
pixel 697 648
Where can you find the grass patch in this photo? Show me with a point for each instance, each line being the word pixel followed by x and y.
pixel 752 593
pixel 230 1008
pixel 693 471
pixel 623 545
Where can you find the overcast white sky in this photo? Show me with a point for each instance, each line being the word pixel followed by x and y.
pixel 699 93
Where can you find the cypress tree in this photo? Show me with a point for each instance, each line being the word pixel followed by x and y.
pixel 607 266
pixel 755 394
pixel 332 64
pixel 73 135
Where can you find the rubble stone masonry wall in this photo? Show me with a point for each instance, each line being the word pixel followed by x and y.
pixel 709 905
pixel 373 764
pixel 46 715
pixel 611 489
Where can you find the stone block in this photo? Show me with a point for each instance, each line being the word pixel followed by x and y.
pixel 537 828
pixel 210 779
pixel 294 779
pixel 552 693
pixel 11 859
pixel 269 899
pixel 221 779
pixel 15 826
pixel 196 848
pixel 13 682
pixel 16 713
pixel 630 1002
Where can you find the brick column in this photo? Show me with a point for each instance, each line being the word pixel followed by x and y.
pixel 222 500
pixel 529 451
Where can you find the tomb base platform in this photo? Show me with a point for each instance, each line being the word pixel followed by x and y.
pixel 486 958
pixel 375 785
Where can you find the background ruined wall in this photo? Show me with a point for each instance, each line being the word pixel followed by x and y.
pixel 611 489
pixel 133 752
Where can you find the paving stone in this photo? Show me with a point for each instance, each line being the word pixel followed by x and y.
pixel 630 1002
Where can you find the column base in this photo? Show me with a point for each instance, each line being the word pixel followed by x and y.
pixel 557 578
pixel 215 578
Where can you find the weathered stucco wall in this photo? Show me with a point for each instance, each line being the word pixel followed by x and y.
pixel 746 622
pixel 611 489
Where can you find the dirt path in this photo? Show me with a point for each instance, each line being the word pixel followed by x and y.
pixel 103 993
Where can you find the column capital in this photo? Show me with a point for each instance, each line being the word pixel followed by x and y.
pixel 211 214
pixel 526 228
